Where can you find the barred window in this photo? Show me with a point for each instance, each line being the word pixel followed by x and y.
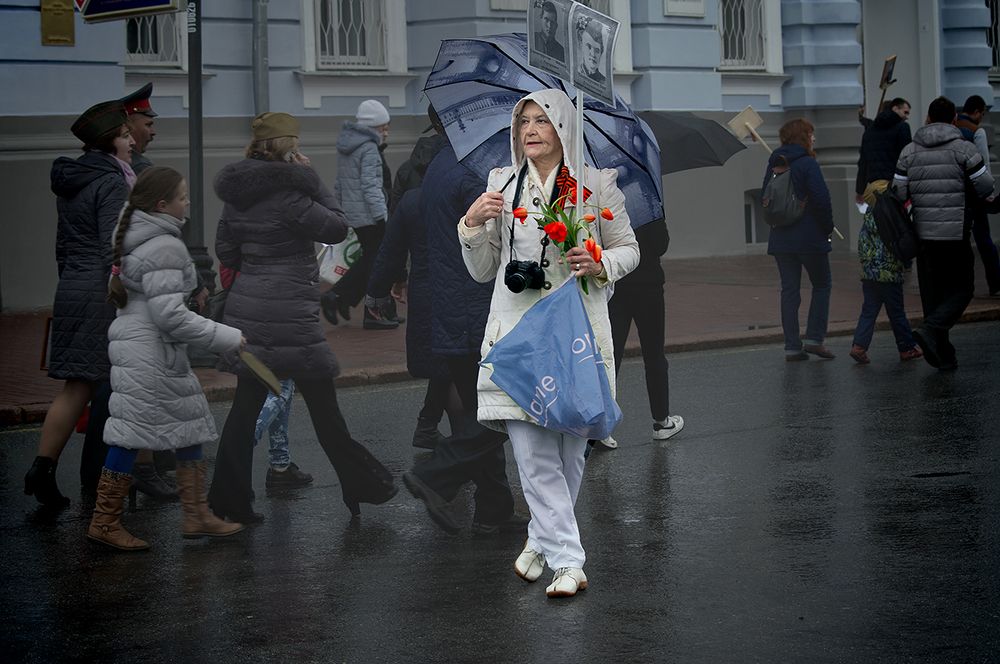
pixel 742 29
pixel 993 34
pixel 350 34
pixel 154 40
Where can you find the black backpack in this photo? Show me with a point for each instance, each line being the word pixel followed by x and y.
pixel 894 226
pixel 781 206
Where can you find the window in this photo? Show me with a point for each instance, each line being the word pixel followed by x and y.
pixel 993 34
pixel 350 34
pixel 742 27
pixel 755 228
pixel 155 40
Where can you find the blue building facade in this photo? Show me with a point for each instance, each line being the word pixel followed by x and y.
pixel 786 58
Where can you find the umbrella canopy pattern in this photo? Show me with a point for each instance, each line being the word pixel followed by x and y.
pixel 688 141
pixel 474 86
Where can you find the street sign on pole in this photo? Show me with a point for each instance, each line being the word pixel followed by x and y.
pixel 111 10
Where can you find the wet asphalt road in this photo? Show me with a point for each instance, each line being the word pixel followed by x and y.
pixel 811 512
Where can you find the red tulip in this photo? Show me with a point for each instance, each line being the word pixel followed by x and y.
pixel 606 213
pixel 593 249
pixel 589 217
pixel 521 214
pixel 556 231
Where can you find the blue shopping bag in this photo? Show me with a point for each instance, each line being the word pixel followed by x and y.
pixel 549 364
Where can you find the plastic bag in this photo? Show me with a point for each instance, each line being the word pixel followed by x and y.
pixel 549 364
pixel 336 259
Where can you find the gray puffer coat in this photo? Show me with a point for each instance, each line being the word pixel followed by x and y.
pixel 157 402
pixel 92 192
pixel 933 170
pixel 274 212
pixel 360 185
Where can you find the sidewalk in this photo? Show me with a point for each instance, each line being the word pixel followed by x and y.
pixel 711 303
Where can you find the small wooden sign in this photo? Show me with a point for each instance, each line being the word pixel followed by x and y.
pixel 887 69
pixel 58 23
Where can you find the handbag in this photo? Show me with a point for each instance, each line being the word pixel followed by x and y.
pixel 336 259
pixel 550 365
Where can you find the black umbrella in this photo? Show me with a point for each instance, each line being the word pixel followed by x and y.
pixel 688 141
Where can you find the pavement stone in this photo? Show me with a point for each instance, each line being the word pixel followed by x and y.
pixel 710 302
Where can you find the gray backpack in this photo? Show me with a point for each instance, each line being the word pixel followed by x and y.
pixel 781 206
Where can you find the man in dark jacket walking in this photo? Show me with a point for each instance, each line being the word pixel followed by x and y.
pixel 881 144
pixel 935 170
pixel 968 123
pixel 459 308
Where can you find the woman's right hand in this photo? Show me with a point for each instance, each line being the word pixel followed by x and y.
pixel 487 206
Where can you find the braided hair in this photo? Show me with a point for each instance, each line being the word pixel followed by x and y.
pixel 155 184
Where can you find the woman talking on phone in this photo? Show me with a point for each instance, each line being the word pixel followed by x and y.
pixel 276 207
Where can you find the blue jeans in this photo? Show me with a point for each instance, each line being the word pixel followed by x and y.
pixel 273 418
pixel 790 269
pixel 876 295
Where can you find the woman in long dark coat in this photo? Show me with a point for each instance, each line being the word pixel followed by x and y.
pixel 275 209
pixel 91 191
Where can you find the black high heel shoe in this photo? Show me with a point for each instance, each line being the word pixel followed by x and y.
pixel 383 495
pixel 40 481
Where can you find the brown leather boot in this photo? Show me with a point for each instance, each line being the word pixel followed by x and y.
pixel 199 521
pixel 106 525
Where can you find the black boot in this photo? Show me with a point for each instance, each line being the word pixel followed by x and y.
pixel 148 481
pixel 426 435
pixel 41 482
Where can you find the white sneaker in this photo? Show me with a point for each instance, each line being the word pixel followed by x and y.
pixel 566 582
pixel 668 428
pixel 610 443
pixel 529 565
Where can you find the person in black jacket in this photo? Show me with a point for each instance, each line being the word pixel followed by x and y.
pixel 460 306
pixel 406 233
pixel 881 144
pixel 91 192
pixel 639 297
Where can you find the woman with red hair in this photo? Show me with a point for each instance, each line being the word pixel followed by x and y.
pixel 803 244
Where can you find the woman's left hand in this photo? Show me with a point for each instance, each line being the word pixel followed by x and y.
pixel 581 263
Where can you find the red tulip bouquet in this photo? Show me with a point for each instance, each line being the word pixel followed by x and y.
pixel 563 228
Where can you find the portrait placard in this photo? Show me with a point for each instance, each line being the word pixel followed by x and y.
pixel 593 48
pixel 549 36
pixel 887 68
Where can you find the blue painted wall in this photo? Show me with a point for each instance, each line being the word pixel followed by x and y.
pixel 821 52
pixel 965 55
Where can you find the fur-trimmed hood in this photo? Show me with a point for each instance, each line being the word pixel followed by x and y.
pixel 243 183
pixel 562 114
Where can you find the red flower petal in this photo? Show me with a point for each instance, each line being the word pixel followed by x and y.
pixel 607 214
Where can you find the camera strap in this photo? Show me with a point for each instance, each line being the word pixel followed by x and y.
pixel 517 201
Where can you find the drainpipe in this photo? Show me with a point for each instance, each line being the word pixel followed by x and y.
pixel 261 93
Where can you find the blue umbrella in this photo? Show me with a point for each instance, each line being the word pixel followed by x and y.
pixel 474 86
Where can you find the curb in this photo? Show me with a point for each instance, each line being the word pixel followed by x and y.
pixel 16 415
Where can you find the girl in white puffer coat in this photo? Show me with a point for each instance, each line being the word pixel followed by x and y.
pixel 157 402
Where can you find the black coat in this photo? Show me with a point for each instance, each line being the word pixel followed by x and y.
pixel 273 213
pixel 460 305
pixel 653 239
pixel 411 174
pixel 880 148
pixel 92 192
pixel 406 233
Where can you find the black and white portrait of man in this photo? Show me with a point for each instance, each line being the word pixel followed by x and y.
pixel 548 28
pixel 593 48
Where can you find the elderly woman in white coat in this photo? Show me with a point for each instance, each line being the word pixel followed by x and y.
pixel 550 464
pixel 157 402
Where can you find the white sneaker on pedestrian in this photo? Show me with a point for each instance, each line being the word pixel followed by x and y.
pixel 530 564
pixel 668 428
pixel 610 443
pixel 566 582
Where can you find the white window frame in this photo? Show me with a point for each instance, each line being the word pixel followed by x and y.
pixel 993 35
pixel 389 80
pixel 375 38
pixel 181 41
pixel 758 81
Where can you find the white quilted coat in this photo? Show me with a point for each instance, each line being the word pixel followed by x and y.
pixel 486 251
pixel 157 402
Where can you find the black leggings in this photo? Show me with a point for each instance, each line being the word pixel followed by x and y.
pixel 643 303
pixel 351 289
pixel 361 476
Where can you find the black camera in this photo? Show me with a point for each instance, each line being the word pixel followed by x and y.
pixel 519 275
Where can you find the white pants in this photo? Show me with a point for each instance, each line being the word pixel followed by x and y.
pixel 551 468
